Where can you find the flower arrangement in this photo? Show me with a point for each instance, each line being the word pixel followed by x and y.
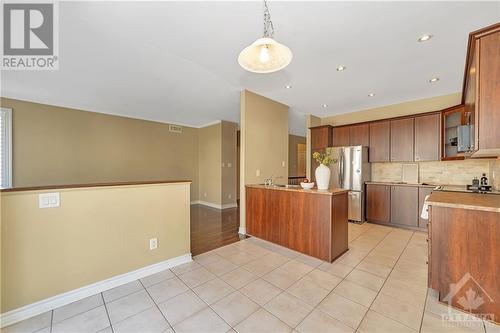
pixel 323 158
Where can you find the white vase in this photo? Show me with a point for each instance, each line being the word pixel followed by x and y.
pixel 322 177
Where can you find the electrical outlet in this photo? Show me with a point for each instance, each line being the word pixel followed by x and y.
pixel 205 194
pixel 153 243
pixel 229 196
pixel 257 173
pixel 283 164
pixel 49 200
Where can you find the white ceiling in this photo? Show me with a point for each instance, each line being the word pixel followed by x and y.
pixel 177 61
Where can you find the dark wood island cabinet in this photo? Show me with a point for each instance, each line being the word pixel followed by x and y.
pixel 308 221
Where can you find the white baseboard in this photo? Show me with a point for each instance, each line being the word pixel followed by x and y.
pixel 31 310
pixel 242 230
pixel 213 205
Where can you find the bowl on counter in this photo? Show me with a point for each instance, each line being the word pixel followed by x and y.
pixel 307 186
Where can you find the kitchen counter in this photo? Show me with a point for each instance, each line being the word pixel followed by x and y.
pixel 402 184
pixel 330 191
pixel 471 201
pixel 313 222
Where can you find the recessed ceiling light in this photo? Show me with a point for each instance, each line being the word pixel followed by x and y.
pixel 341 68
pixel 325 105
pixel 434 79
pixel 288 86
pixel 424 38
pixel 371 94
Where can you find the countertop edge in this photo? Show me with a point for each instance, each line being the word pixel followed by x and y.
pixel 463 206
pixel 399 184
pixel 329 192
pixel 74 186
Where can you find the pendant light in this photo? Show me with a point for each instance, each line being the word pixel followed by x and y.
pixel 265 55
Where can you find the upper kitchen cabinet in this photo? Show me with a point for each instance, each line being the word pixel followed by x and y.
pixel 481 91
pixel 451 119
pixel 402 140
pixel 359 135
pixel 341 136
pixel 380 141
pixel 321 137
pixel 427 137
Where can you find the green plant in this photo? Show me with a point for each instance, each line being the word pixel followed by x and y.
pixel 323 158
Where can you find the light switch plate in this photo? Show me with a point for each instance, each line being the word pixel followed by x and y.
pixel 257 173
pixel 49 200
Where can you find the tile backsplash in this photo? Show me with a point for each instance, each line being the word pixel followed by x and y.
pixel 446 172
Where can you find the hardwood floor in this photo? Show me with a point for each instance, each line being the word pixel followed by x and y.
pixel 212 228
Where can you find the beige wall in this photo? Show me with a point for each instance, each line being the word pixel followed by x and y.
pixel 229 165
pixel 395 110
pixel 55 145
pixel 293 158
pixel 95 234
pixel 210 157
pixel 446 172
pixel 264 143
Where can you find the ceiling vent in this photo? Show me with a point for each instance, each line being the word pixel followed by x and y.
pixel 175 128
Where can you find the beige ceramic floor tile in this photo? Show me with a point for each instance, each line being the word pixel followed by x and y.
pixel 260 268
pixel 148 281
pixel 123 290
pixel 262 321
pixel 128 306
pixel 366 279
pixel 241 258
pixel 167 289
pixel 337 269
pixel 491 327
pixel 355 292
pixel 318 322
pixel 150 321
pixel 32 324
pixel 376 323
pixel 260 291
pixel 90 321
pixel 207 258
pixel 238 278
pixel 296 267
pixel 348 312
pixel 374 268
pixel 323 279
pixel 181 307
pixel 404 293
pixel 404 313
pixel 234 308
pixel 196 277
pixel 289 309
pixel 72 309
pixel 184 268
pixel 213 290
pixel 221 267
pixel 282 278
pixel 308 291
pixel 308 260
pixel 204 321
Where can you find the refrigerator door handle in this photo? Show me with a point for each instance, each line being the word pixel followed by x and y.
pixel 341 169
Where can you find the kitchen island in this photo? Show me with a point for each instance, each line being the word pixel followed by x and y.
pixel 464 251
pixel 313 222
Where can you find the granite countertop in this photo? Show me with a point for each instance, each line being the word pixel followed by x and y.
pixel 403 184
pixel 330 191
pixel 472 201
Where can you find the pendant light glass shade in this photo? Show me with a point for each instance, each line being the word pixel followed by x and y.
pixel 265 55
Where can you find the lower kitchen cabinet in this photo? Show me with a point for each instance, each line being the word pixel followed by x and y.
pixel 378 203
pixel 396 205
pixel 404 206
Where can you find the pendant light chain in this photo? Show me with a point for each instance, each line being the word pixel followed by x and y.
pixel 268 24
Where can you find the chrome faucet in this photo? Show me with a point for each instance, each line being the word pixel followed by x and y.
pixel 270 181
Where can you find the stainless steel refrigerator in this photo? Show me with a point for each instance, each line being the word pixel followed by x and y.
pixel 350 172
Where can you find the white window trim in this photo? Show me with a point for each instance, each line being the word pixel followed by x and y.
pixel 7 113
